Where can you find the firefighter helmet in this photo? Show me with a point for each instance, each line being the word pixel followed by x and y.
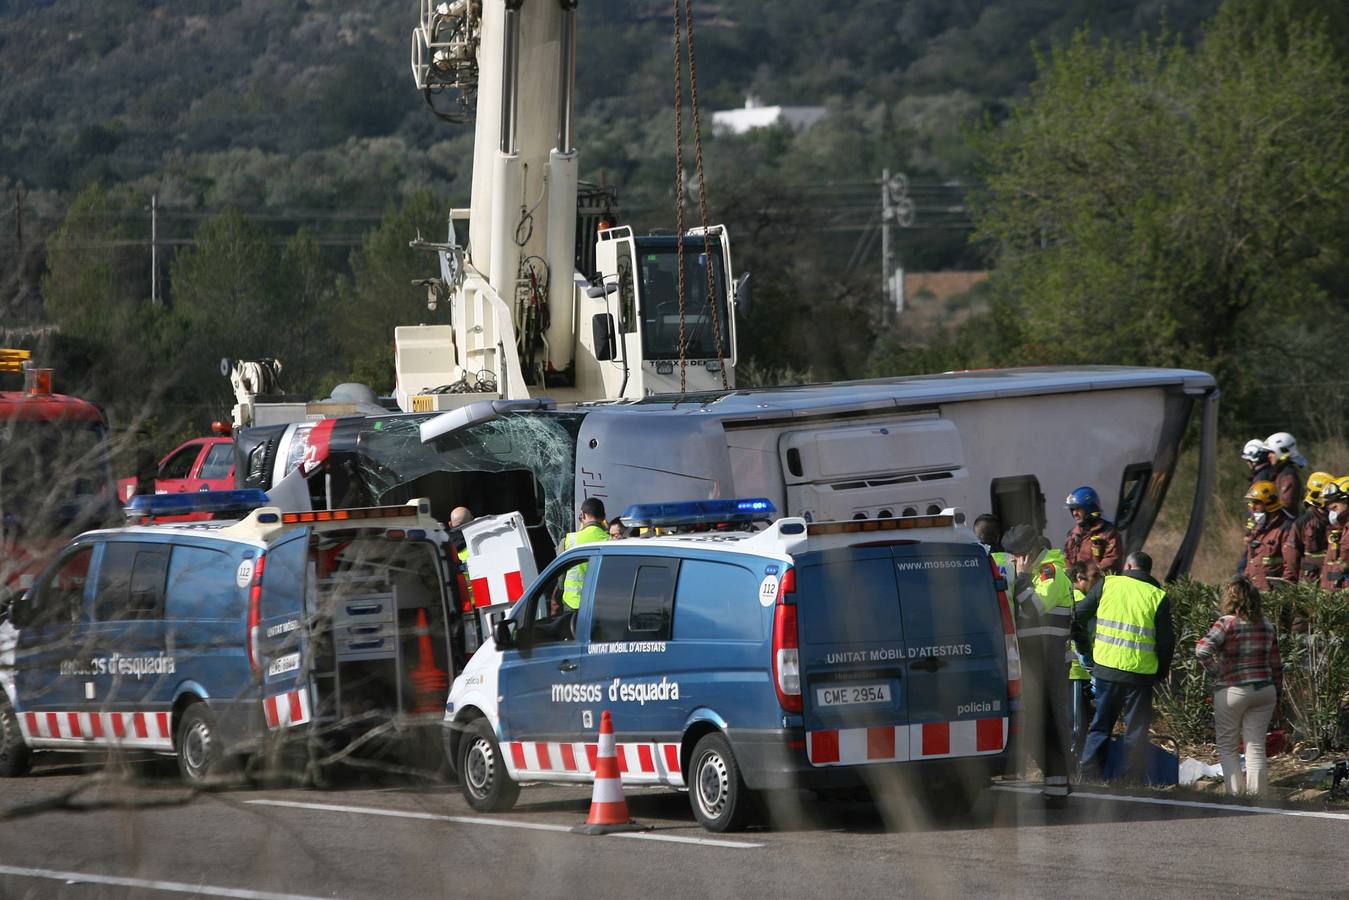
pixel 1337 491
pixel 1316 484
pixel 1255 451
pixel 1284 446
pixel 1265 492
pixel 1085 499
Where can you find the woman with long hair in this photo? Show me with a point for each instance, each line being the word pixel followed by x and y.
pixel 1241 650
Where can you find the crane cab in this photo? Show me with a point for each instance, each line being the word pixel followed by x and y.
pixel 630 330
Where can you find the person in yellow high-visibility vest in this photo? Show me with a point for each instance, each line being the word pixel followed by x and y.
pixel 1044 600
pixel 1130 653
pixel 592 530
pixel 459 517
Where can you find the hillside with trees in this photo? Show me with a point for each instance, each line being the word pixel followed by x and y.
pixel 1148 182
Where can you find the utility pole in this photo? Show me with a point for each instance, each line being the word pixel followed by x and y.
pixel 896 209
pixel 154 249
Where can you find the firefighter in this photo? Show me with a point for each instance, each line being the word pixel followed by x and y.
pixel 1092 538
pixel 1271 545
pixel 1310 529
pixel 1256 455
pixel 592 529
pixel 1335 570
pixel 1286 460
pixel 1044 609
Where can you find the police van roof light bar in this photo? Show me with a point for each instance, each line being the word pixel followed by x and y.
pixel 699 512
pixel 149 506
pixel 343 515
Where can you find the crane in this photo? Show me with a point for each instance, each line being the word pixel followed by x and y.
pixel 526 317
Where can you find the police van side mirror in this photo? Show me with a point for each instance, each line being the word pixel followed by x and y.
pixel 19 611
pixel 503 633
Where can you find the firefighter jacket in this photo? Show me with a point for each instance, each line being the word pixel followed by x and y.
pixel 1335 569
pixel 1289 481
pixel 1310 528
pixel 1099 541
pixel 1271 551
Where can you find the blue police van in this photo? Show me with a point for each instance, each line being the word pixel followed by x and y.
pixel 796 655
pixel 218 641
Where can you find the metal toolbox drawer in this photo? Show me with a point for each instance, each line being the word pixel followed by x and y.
pixel 365 640
pixel 362 609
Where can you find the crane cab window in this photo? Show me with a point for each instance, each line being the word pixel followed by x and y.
pixel 658 272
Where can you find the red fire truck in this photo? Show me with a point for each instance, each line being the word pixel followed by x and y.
pixel 55 472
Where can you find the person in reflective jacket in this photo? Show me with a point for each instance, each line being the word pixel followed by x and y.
pixel 1130 653
pixel 1044 600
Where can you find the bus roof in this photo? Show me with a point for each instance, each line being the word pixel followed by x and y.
pixel 881 394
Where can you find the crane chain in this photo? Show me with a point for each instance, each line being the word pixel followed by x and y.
pixel 702 203
pixel 679 194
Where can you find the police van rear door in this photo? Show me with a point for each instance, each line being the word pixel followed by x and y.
pixel 853 655
pixel 955 667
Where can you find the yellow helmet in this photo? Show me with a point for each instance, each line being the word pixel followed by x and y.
pixel 1265 492
pixel 1336 491
pixel 1316 483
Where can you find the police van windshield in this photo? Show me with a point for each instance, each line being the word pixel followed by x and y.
pixel 658 273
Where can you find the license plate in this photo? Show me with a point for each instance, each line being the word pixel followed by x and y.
pixel 848 694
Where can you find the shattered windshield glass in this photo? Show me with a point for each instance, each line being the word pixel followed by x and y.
pixel 391 456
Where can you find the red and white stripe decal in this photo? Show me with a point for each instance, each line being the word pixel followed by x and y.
pixel 498 587
pixel 637 763
pixel 141 729
pixel 903 743
pixel 284 710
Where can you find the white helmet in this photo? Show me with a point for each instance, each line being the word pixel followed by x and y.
pixel 1254 451
pixel 1284 446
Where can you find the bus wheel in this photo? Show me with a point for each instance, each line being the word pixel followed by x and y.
pixel 482 773
pixel 720 800
pixel 200 755
pixel 15 757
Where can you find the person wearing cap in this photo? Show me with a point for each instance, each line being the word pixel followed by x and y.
pixel 1335 568
pixel 1044 601
pixel 1271 545
pixel 1129 653
pixel 1092 538
pixel 1286 460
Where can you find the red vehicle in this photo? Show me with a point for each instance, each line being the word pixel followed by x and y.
pixel 55 473
pixel 201 464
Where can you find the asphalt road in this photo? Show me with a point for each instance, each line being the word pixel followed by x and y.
pixel 74 831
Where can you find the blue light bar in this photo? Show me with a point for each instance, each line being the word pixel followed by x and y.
pixel 150 506
pixel 699 512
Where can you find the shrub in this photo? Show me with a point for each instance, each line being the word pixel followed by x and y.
pixel 1313 628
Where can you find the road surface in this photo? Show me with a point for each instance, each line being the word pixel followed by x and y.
pixel 75 831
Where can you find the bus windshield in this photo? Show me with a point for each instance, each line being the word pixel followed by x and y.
pixel 658 271
pixel 55 479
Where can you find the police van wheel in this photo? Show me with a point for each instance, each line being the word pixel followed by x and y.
pixel 200 755
pixel 483 779
pixel 15 757
pixel 717 793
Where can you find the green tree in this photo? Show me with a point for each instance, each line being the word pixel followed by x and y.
pixel 381 294
pixel 1149 203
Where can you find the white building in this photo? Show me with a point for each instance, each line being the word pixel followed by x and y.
pixel 754 115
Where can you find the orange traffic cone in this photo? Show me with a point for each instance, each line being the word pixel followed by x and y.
pixel 429 684
pixel 608 808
